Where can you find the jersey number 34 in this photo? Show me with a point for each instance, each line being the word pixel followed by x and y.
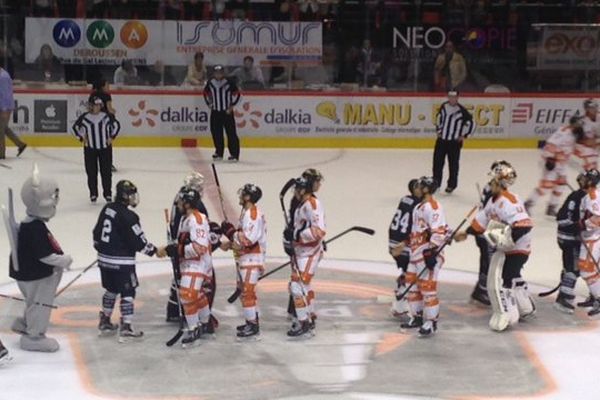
pixel 400 221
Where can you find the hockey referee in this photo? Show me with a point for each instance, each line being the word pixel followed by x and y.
pixel 221 95
pixel 96 130
pixel 453 125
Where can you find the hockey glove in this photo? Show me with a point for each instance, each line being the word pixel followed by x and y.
pixel 215 228
pixel 228 229
pixel 550 164
pixel 288 248
pixel 172 251
pixel 288 234
pixel 430 258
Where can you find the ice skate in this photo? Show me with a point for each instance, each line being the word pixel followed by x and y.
pixel 563 305
pixel 105 327
pixel 250 332
pixel 128 334
pixel 191 337
pixel 588 302
pixel 4 355
pixel 428 329
pixel 595 311
pixel 300 331
pixel 480 297
pixel 414 322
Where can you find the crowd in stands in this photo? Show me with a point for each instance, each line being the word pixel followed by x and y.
pixel 357 41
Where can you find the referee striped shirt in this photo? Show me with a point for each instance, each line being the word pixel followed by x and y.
pixel 454 122
pixel 96 130
pixel 221 94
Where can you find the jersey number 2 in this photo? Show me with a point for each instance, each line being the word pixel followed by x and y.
pixel 106 229
pixel 400 220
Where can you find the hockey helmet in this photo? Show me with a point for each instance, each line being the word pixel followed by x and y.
pixel 592 177
pixel 40 195
pixel 127 193
pixel 590 103
pixel 312 175
pixel 251 191
pixel 194 180
pixel 189 196
pixel 582 180
pixel 500 162
pixel 412 185
pixel 427 182
pixel 302 183
pixel 503 175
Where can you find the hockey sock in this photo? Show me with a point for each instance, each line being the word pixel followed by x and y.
pixel 192 320
pixel 127 309
pixel 204 314
pixel 567 286
pixel 108 303
pixel 250 313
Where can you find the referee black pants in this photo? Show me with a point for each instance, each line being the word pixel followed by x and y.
pixel 98 158
pixel 218 121
pixel 446 149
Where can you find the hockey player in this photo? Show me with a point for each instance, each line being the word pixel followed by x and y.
pixel 249 239
pixel 193 249
pixel 428 234
pixel 399 235
pixel 118 236
pixel 508 226
pixel 40 263
pixel 480 293
pixel 306 236
pixel 569 241
pixel 195 181
pixel 587 149
pixel 315 179
pixel 589 254
pixel 556 154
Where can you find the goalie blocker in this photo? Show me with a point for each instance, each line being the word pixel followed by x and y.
pixel 506 226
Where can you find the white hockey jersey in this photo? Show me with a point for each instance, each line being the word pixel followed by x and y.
pixel 560 145
pixel 251 236
pixel 429 227
pixel 193 243
pixel 590 212
pixel 508 209
pixel 591 131
pixel 309 227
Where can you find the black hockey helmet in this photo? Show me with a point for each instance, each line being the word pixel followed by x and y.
pixel 592 177
pixel 127 193
pixel 189 196
pixel 427 182
pixel 302 183
pixel 252 191
pixel 582 180
pixel 412 184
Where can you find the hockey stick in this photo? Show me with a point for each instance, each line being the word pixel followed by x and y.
pixel 361 229
pixel 23 300
pixel 448 241
pixel 86 269
pixel 5 166
pixel 179 333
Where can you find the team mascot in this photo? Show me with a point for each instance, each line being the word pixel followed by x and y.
pixel 39 261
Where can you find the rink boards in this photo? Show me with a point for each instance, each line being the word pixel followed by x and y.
pixel 296 119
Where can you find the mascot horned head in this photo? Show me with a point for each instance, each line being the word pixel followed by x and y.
pixel 40 195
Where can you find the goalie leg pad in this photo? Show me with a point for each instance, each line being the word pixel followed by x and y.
pixel 525 303
pixel 503 307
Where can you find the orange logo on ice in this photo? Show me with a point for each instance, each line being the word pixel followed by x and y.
pixel 134 34
pixel 253 116
pixel 148 114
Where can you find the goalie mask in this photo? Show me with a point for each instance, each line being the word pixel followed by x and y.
pixel 40 195
pixel 195 181
pixel 503 175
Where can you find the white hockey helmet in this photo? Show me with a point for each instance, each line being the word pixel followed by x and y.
pixel 504 175
pixel 194 180
pixel 40 195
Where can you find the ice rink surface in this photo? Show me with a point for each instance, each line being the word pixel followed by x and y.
pixel 359 353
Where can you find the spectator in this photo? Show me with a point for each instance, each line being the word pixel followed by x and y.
pixel 238 9
pixel 126 74
pixel 159 75
pixel 145 9
pixel 43 8
pixel 192 10
pixel 97 9
pixel 308 10
pixel 218 9
pixel 349 67
pixel 172 9
pixel 368 68
pixel 313 75
pixel 100 90
pixel 283 11
pixel 122 9
pixel 67 8
pixel 396 74
pixel 196 73
pixel 249 74
pixel 450 69
pixel 49 66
